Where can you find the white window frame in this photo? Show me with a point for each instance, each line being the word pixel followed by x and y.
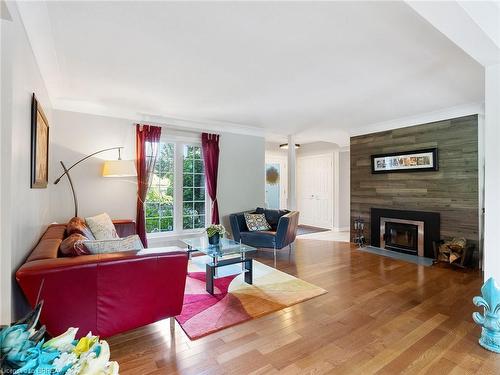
pixel 179 143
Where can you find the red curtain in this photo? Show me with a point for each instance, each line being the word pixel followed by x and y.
pixel 210 146
pixel 147 142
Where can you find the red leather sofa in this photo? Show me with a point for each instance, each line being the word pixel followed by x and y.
pixel 107 293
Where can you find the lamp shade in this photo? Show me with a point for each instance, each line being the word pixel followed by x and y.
pixel 119 168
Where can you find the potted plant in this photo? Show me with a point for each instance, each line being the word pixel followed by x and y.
pixel 214 233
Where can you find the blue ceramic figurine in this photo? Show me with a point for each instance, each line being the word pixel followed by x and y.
pixel 490 320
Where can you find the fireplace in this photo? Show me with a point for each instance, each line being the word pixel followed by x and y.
pixel 406 236
pixel 411 232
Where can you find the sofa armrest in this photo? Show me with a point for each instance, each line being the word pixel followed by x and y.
pixel 125 228
pixel 238 225
pixel 287 229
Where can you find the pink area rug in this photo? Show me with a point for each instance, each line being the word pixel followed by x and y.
pixel 234 301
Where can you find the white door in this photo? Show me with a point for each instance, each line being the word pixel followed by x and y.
pixel 276 181
pixel 315 190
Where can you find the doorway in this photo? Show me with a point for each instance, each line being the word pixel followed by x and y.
pixel 315 190
pixel 276 181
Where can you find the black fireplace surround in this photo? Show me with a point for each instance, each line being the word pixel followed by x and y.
pixel 432 222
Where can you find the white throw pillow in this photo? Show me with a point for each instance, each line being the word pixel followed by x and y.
pixel 102 227
pixel 114 245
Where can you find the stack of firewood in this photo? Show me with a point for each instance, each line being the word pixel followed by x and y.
pixel 452 251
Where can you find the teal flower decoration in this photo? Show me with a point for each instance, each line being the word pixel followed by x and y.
pixel 13 340
pixel 22 351
pixel 36 360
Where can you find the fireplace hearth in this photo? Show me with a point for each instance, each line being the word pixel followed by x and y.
pixel 410 232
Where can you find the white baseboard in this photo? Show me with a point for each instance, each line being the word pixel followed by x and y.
pixel 341 229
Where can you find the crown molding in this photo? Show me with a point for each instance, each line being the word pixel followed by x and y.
pixel 201 124
pixel 172 122
pixel 423 118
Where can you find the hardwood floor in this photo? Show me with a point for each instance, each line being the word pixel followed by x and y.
pixel 380 316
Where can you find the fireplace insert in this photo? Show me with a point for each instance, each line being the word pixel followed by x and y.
pixel 405 236
pixel 400 236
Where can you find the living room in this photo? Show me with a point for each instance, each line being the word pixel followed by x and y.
pixel 237 187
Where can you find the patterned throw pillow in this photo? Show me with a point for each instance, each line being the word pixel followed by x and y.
pixel 256 222
pixel 78 225
pixel 71 245
pixel 112 245
pixel 102 227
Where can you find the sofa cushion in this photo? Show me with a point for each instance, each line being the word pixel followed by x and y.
pixel 125 228
pixel 71 245
pixel 54 232
pixel 272 216
pixel 113 245
pixel 102 227
pixel 258 238
pixel 77 225
pixel 48 246
pixel 46 249
pixel 256 222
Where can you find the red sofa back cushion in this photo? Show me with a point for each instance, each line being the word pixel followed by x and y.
pixel 48 246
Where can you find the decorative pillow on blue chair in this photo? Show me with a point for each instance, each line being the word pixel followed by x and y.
pixel 272 216
pixel 256 222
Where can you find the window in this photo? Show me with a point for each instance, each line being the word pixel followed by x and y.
pixel 193 194
pixel 176 199
pixel 160 197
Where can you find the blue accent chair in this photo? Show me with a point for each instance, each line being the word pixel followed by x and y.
pixel 283 231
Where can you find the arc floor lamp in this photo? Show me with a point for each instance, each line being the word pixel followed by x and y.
pixel 111 168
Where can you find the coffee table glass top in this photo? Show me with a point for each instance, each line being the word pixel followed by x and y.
pixel 225 246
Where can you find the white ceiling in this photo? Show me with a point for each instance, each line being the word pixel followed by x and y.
pixel 318 70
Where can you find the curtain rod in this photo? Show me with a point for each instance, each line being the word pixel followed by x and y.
pixel 179 128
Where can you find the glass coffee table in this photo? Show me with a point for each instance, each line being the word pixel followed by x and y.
pixel 217 254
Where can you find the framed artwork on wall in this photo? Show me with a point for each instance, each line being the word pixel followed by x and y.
pixel 407 161
pixel 39 146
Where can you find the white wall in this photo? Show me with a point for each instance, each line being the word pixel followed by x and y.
pixel 274 149
pixel 317 148
pixel 344 190
pixel 241 168
pixel 81 134
pixel 492 174
pixel 25 211
pixel 241 174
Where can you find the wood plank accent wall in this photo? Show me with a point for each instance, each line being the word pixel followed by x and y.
pixel 452 191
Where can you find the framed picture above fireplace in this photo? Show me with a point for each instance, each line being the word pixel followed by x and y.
pixel 407 161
